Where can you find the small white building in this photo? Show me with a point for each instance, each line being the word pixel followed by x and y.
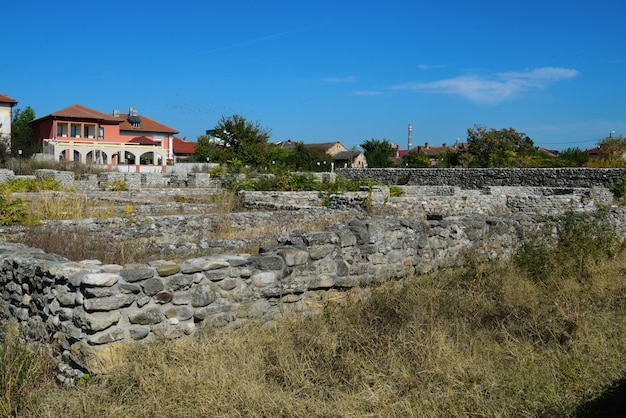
pixel 6 120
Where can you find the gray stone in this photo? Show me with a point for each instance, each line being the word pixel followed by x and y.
pixel 96 321
pixel 138 333
pixel 105 337
pixel 152 286
pixel 182 313
pixel 136 274
pixel 147 316
pixel 100 279
pixel 202 295
pixel 180 281
pixel 294 257
pixel 108 303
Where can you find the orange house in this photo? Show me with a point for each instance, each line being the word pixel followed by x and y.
pixel 78 133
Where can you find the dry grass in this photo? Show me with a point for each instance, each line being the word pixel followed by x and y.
pixel 455 344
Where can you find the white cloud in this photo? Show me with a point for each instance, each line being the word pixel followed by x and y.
pixel 495 88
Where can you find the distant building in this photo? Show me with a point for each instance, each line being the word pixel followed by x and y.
pixel 183 149
pixel 6 121
pixel 339 155
pixel 78 133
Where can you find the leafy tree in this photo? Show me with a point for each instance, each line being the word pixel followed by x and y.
pixel 414 159
pixel 378 153
pixel 203 149
pixel 498 148
pixel 23 136
pixel 572 157
pixel 301 158
pixel 611 151
pixel 320 160
pixel 241 139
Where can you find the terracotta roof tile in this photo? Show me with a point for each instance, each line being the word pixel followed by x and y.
pixel 147 125
pixel 6 99
pixel 143 140
pixel 182 146
pixel 80 112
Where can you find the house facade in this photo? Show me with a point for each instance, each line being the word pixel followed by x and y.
pixel 78 133
pixel 6 120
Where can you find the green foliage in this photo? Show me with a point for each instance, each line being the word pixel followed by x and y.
pixel 118 185
pixel 286 183
pixel 618 188
pixel 13 212
pixel 203 149
pixel 301 158
pixel 22 133
pixel 395 191
pixel 414 159
pixel 27 184
pixel 499 148
pixel 571 245
pixel 378 153
pixel 611 151
pixel 217 171
pixel 572 157
pixel 240 139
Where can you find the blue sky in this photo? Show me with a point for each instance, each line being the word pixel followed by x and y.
pixel 329 71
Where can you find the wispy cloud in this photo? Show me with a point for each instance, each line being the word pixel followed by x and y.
pixel 339 80
pixel 495 88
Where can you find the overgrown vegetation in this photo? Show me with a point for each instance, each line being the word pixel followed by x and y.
pixel 500 339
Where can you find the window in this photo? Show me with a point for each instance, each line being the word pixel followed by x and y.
pixel 89 131
pixel 75 131
pixel 62 129
pixel 101 133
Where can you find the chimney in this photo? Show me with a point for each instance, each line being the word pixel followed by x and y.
pixel 410 136
pixel 426 145
pixel 116 113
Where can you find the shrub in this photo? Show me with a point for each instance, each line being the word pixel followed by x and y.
pixel 618 188
pixel 118 185
pixel 217 171
pixel 13 212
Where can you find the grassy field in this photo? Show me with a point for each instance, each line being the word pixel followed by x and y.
pixel 538 335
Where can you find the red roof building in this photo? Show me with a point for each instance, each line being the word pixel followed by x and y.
pixel 82 134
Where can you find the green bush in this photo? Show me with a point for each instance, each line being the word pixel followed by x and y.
pixel 25 184
pixel 118 185
pixel 13 212
pixel 618 188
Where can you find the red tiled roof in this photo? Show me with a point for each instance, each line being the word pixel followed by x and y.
pixel 147 125
pixel 80 112
pixel 183 147
pixel 143 140
pixel 6 99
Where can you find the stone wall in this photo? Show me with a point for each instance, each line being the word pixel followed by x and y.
pixel 477 178
pixel 84 309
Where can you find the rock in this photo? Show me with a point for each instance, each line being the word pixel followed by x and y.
pixel 153 286
pixel 202 295
pixel 136 274
pixel 108 303
pixel 148 316
pixel 97 321
pixel 100 279
pixel 294 257
pixel 168 269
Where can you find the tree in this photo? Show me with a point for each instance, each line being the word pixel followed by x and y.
pixel 572 157
pixel 301 158
pixel 23 137
pixel 415 159
pixel 498 148
pixel 378 153
pixel 202 150
pixel 238 138
pixel 611 151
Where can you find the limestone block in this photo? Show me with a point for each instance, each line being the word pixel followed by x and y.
pixel 109 303
pixel 202 295
pixel 147 316
pixel 97 321
pixel 294 257
pixel 153 286
pixel 168 269
pixel 100 279
pixel 97 360
pixel 136 274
